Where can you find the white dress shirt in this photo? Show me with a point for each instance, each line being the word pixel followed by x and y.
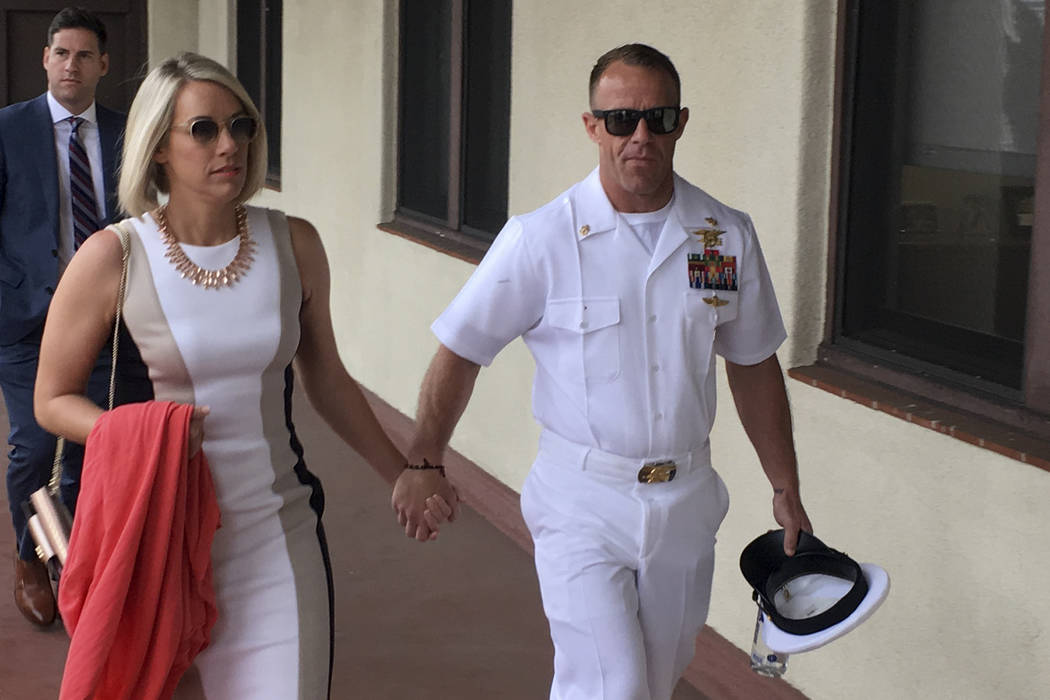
pixel 89 136
pixel 624 345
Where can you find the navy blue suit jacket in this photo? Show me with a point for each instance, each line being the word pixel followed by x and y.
pixel 29 216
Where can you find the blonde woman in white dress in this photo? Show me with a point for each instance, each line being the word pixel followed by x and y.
pixel 222 301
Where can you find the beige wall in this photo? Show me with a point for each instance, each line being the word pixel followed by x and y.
pixel 172 27
pixel 217 20
pixel 958 528
pixel 205 26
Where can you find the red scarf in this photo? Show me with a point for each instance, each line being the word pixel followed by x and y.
pixel 136 592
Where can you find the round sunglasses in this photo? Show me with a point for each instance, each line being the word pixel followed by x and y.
pixel 623 122
pixel 205 130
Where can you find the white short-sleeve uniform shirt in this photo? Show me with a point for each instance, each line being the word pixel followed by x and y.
pixel 624 340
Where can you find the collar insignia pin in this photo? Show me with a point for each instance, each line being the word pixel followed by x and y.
pixel 584 230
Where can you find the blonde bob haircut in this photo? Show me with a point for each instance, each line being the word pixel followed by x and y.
pixel 149 120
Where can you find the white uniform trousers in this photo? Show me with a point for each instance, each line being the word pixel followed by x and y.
pixel 624 568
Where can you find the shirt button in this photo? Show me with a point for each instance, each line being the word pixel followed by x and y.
pixel 583 324
pixel 49 290
pixel 656 368
pixel 659 416
pixel 54 252
pixel 652 318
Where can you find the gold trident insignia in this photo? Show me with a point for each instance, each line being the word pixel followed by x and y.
pixel 715 301
pixel 712 236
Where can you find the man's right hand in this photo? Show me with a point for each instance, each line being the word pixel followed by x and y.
pixel 790 515
pixel 423 499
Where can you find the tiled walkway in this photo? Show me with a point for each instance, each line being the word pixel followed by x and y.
pixel 459 618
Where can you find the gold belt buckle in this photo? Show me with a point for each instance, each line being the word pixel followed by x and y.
pixel 657 472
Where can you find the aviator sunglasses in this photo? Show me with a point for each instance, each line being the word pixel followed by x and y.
pixel 205 130
pixel 623 122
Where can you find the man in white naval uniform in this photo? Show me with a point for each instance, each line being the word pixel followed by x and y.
pixel 624 288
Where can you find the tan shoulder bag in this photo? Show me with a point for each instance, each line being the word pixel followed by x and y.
pixel 48 519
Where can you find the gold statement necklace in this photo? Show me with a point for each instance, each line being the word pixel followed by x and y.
pixel 209 279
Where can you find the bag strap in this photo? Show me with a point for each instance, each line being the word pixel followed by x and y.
pixel 125 246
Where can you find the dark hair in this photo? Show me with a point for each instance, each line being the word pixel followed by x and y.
pixel 78 18
pixel 636 55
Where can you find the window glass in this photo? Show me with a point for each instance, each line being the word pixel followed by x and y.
pixel 487 132
pixel 424 126
pixel 454 116
pixel 940 183
pixel 259 41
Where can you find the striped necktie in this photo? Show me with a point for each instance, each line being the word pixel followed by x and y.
pixel 81 187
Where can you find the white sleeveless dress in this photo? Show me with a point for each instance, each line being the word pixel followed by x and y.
pixel 231 349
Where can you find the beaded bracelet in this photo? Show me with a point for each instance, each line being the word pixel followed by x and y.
pixel 427 465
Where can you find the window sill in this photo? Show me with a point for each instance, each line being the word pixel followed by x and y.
pixel 443 240
pixel 1031 447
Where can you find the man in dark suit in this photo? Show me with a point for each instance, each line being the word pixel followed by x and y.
pixel 58 159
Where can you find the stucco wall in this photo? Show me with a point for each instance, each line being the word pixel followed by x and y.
pixel 958 528
pixel 217 20
pixel 172 27
pixel 205 26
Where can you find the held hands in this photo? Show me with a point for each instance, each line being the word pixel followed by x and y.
pixel 424 499
pixel 789 513
pixel 196 434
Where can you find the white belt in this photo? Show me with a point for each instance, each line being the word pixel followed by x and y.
pixel 647 470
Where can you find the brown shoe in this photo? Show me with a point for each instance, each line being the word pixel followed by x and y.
pixel 33 594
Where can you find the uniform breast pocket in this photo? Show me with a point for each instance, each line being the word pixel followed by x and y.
pixel 703 313
pixel 589 330
pixel 710 307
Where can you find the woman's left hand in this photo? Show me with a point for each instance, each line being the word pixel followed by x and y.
pixel 439 511
pixel 196 434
